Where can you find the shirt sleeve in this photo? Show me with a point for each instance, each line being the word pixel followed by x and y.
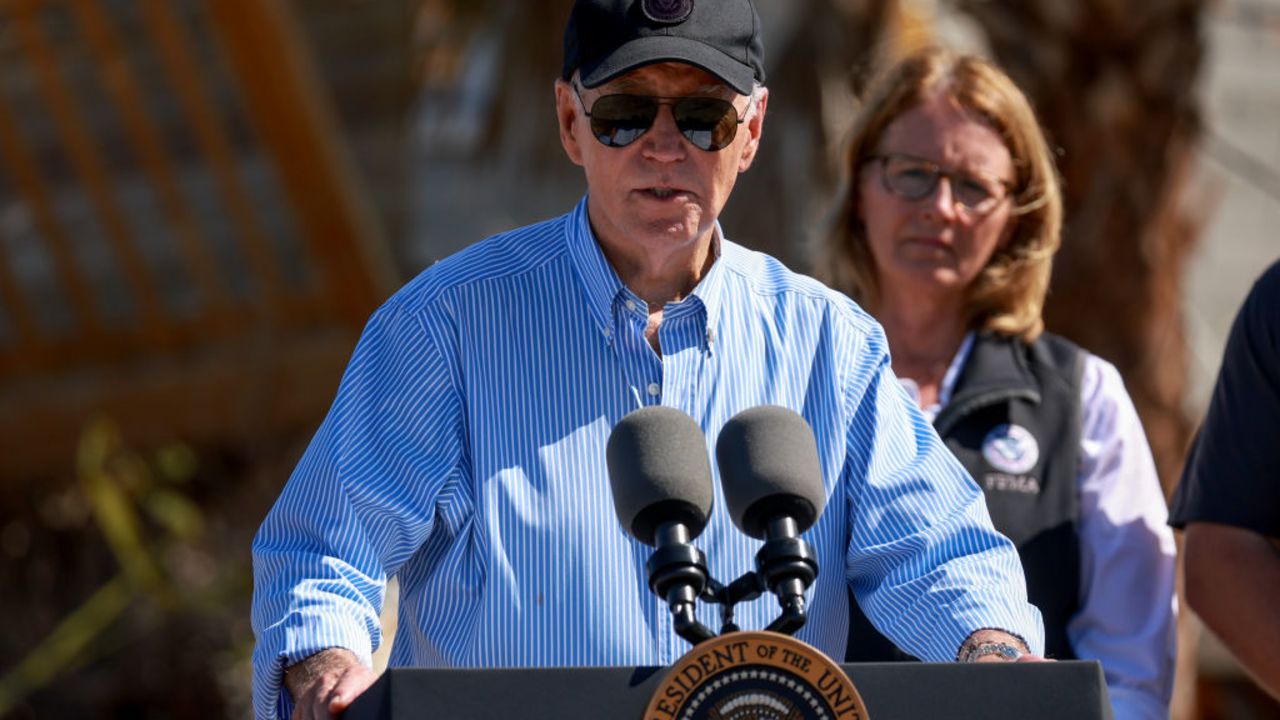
pixel 364 497
pixel 924 560
pixel 1127 603
pixel 1231 476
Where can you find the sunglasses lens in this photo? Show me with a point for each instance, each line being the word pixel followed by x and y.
pixel 708 123
pixel 617 120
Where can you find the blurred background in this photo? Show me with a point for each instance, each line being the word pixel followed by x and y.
pixel 202 200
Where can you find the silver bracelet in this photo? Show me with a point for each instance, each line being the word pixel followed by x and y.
pixel 979 650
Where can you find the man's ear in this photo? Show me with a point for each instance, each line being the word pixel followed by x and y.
pixel 754 127
pixel 567 115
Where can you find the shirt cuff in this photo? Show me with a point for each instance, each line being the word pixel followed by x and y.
pixel 281 647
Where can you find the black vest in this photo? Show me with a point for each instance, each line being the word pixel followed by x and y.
pixel 1014 422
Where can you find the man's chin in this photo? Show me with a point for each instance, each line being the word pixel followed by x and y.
pixel 670 233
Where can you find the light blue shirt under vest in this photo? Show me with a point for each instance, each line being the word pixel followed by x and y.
pixel 465 454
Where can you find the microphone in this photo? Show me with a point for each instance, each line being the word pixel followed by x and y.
pixel 661 481
pixel 772 481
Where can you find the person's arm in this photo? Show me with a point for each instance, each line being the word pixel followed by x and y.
pixel 1228 501
pixel 361 500
pixel 924 561
pixel 1126 618
pixel 1233 582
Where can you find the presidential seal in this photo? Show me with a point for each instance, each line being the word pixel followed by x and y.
pixel 755 676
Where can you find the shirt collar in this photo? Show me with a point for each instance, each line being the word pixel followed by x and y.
pixel 953 372
pixel 599 280
pixel 710 290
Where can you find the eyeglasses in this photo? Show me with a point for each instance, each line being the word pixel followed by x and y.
pixel 618 120
pixel 916 179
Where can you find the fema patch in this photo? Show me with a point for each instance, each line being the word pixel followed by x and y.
pixel 1011 449
pixel 667 12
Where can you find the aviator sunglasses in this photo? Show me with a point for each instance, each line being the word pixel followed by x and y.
pixel 618 120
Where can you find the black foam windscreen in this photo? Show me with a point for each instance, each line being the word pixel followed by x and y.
pixel 659 472
pixel 769 467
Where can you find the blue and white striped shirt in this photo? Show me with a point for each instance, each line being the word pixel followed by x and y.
pixel 465 454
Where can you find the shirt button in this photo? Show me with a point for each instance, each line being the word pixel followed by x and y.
pixel 631 304
pixel 654 389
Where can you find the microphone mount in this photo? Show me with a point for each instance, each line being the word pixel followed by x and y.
pixel 678 574
pixel 786 566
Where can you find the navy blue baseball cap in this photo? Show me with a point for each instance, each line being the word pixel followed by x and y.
pixel 606 38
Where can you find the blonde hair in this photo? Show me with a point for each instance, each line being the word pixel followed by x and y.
pixel 1008 295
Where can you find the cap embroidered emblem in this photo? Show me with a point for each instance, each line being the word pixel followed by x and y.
pixel 667 12
pixel 1011 449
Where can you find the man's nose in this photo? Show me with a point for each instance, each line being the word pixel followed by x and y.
pixel 664 141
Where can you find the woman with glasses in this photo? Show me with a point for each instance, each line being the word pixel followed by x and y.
pixel 946 233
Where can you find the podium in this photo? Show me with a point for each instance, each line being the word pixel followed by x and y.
pixel 891 691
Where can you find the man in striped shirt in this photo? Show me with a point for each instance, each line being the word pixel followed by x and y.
pixel 465 451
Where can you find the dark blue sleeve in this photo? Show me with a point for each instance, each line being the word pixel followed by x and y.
pixel 1233 473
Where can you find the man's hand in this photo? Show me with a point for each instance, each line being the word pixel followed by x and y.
pixel 324 684
pixel 991 645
